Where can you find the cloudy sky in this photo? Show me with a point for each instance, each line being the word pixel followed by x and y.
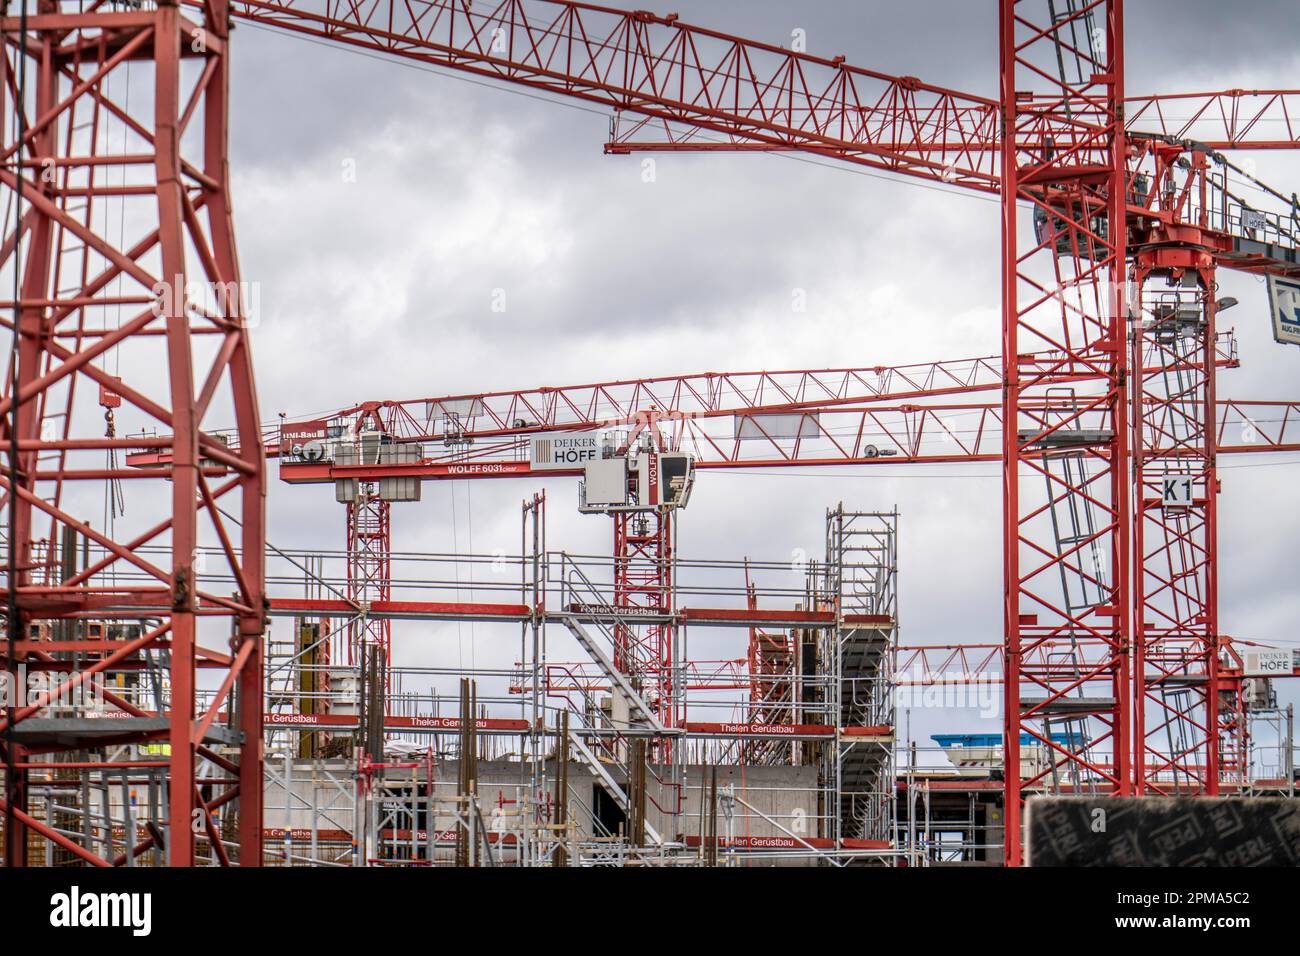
pixel 381 288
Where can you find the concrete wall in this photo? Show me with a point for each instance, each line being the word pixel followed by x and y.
pixel 786 794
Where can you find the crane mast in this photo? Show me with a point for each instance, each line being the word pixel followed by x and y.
pixel 80 292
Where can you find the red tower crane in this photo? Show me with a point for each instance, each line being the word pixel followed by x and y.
pixel 722 420
pixel 1062 139
pixel 124 246
pixel 487 435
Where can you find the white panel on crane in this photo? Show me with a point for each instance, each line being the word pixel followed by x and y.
pixel 777 425
pixel 605 482
pixel 458 408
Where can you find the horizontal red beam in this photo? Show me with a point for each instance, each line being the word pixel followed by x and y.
pixel 667 70
pixel 328 721
pixel 303 474
pixel 791 843
pixel 518 725
pixel 708 729
pixel 767 843
pixel 453 610
pixel 336 835
pixel 877 731
pixel 423 610
pixel 778 617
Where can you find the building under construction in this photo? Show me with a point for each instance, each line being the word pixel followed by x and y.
pixel 180 691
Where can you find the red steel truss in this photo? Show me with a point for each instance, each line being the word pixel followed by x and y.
pixel 725 419
pixel 1066 160
pixel 667 74
pixel 838 435
pixel 369 578
pixel 702 395
pixel 662 68
pixel 1224 119
pixel 1176 650
pixel 643 582
pixel 489 434
pixel 1064 462
pixel 1228 119
pixel 123 246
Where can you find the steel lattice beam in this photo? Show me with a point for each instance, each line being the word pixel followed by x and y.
pixel 874 435
pixel 369 575
pixel 1067 525
pixel 662 68
pixel 1176 698
pixel 125 243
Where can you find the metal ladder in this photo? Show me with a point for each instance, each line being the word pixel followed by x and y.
pixel 1074 527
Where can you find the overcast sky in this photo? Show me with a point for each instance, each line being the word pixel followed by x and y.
pixel 381 288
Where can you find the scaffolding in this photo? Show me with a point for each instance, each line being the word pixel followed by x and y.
pixel 781 756
pixel 859 582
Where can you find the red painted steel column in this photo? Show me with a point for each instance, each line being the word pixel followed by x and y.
pixel 171 242
pixel 33 329
pixel 1121 376
pixel 1010 451
pixel 251 623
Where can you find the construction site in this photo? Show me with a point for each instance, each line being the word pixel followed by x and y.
pixel 243 633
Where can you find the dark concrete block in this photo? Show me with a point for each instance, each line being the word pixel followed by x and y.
pixel 1162 831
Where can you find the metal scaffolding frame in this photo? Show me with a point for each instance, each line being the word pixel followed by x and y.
pixel 859 580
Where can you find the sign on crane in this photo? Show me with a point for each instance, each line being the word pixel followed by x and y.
pixel 1284 303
